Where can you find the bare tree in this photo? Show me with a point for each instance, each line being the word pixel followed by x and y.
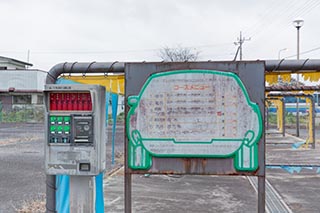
pixel 178 54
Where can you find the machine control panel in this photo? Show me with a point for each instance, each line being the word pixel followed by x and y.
pixel 75 129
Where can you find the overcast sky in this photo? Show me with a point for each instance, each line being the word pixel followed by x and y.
pixel 134 30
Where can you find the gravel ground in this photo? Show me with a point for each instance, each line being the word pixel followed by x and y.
pixel 22 163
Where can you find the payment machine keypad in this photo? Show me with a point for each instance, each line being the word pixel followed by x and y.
pixel 60 127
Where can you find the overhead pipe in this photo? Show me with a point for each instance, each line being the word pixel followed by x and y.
pixel 83 68
pixel 292 65
pixel 52 75
pixel 118 67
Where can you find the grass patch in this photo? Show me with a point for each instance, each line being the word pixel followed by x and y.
pixel 290 119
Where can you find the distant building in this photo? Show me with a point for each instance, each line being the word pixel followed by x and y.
pixel 10 63
pixel 21 87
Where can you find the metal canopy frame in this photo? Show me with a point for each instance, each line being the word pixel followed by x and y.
pixel 282 126
pixel 311 114
pixel 119 67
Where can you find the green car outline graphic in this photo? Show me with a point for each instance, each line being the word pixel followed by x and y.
pixel 244 149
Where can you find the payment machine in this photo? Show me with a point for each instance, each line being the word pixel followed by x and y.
pixel 75 129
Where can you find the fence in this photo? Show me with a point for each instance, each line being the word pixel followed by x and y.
pixel 22 113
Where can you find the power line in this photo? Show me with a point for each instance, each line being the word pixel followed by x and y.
pixel 277 9
pixel 110 51
pixel 278 19
pixel 302 12
pixel 278 13
pixel 305 52
pixel 284 21
pixel 264 16
pixel 300 8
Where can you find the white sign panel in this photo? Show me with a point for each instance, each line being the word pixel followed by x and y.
pixel 193 113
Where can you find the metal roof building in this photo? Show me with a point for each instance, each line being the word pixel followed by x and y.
pixel 10 63
pixel 24 81
pixel 21 89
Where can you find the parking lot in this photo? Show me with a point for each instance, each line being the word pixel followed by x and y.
pixel 23 180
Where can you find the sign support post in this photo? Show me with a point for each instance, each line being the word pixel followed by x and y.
pixel 82 191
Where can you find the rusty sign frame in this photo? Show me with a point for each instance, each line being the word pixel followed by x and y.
pixel 251 74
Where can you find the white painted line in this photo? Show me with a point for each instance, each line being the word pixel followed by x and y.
pixel 274 202
pixel 114 201
pixel 111 174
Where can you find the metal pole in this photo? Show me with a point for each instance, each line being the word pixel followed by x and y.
pixel 51 193
pixel 241 41
pixel 127 175
pixel 279 52
pixel 298 42
pixel 262 169
pixel 312 112
pixel 0 111
pixel 82 190
pixel 261 194
pixel 267 118
pixel 298 113
pixel 28 58
pixel 127 191
pixel 283 117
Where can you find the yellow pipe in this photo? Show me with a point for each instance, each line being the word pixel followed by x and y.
pixel 311 127
pixel 278 105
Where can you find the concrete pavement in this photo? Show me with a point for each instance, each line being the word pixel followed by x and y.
pixel 23 180
pixel 162 193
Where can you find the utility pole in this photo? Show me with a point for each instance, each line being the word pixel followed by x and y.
pixel 28 57
pixel 240 41
pixel 298 23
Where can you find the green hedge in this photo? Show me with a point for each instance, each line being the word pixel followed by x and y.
pixel 23 115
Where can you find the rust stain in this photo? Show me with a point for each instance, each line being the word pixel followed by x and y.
pixel 204 165
pixel 187 165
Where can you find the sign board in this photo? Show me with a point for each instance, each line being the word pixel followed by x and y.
pixel 201 118
pixel 193 113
